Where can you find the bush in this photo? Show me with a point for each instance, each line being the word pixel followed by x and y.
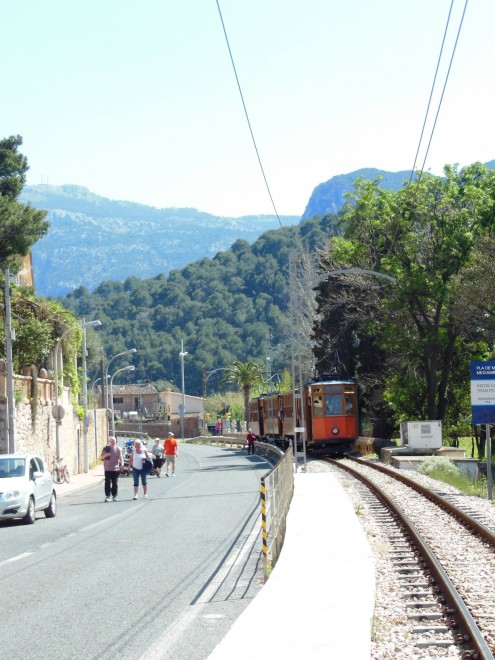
pixel 437 467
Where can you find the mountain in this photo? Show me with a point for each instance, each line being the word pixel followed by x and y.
pixel 92 238
pixel 330 197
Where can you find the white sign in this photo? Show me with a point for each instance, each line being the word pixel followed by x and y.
pixel 482 392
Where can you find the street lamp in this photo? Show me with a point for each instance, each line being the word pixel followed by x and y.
pixel 131 350
pixel 182 408
pixel 131 367
pixel 57 410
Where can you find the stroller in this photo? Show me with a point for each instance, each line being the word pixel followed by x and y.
pixel 126 452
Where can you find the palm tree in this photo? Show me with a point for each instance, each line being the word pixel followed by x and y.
pixel 245 375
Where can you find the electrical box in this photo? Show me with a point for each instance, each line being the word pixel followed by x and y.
pixel 424 435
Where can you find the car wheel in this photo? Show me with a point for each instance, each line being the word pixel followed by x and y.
pixel 30 516
pixel 51 510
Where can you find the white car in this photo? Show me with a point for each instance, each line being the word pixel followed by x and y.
pixel 26 486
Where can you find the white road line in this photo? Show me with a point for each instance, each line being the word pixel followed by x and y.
pixel 164 645
pixel 16 558
pixel 68 536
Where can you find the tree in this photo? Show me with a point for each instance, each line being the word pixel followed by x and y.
pixel 424 235
pixel 244 375
pixel 20 224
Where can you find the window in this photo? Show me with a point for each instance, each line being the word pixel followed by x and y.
pixel 318 405
pixel 118 399
pixel 333 404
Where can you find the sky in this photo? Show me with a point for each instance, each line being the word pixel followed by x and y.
pixel 138 101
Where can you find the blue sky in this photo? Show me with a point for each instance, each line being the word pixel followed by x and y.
pixel 138 100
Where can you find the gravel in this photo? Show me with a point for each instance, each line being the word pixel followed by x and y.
pixel 469 562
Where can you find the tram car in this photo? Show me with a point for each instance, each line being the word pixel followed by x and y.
pixel 330 416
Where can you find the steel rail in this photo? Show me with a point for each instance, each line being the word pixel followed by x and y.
pixel 470 522
pixel 469 631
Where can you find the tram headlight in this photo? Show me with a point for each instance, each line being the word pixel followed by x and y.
pixel 335 430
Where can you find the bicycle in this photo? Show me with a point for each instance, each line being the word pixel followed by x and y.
pixel 60 473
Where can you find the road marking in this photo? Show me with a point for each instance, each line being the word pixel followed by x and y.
pixel 164 645
pixel 16 558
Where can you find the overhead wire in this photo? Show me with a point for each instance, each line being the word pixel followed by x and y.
pixel 431 92
pixel 445 85
pixel 430 100
pixel 246 114
pixel 443 90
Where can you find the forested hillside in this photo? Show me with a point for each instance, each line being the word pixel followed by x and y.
pixel 92 238
pixel 223 308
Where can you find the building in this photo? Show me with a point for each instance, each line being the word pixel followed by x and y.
pixel 144 401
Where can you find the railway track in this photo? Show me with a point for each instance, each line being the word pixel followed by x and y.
pixel 444 559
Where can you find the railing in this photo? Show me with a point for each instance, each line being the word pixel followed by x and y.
pixel 277 488
pixel 23 388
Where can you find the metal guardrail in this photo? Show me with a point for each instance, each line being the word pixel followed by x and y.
pixel 277 488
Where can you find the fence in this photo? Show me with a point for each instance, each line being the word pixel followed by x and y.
pixel 277 488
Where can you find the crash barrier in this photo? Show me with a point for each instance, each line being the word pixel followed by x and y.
pixel 225 441
pixel 126 435
pixel 276 490
pixel 270 452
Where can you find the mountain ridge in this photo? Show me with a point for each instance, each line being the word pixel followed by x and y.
pixel 93 238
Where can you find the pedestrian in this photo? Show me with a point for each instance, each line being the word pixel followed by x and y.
pixel 251 437
pixel 157 451
pixel 111 455
pixel 218 426
pixel 136 460
pixel 171 447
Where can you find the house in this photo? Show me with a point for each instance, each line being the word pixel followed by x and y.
pixel 145 400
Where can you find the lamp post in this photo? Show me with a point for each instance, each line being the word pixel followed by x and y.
pixel 9 337
pixel 57 410
pixel 131 350
pixel 182 408
pixel 130 367
pixel 206 376
pixel 105 382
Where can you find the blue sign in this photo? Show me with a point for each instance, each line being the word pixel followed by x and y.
pixel 483 392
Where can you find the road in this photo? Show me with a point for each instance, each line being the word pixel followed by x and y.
pixel 158 578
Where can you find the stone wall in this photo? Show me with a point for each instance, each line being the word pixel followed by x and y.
pixel 34 424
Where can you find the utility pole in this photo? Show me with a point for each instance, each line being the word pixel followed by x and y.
pixel 9 337
pixel 85 400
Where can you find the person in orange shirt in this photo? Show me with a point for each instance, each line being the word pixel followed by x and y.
pixel 171 447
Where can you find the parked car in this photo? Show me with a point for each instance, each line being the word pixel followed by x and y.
pixel 26 486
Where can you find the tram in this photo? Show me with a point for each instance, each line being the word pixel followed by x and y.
pixel 330 416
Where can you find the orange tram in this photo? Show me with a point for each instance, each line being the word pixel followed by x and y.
pixel 330 416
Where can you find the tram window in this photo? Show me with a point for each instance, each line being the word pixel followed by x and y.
pixel 333 405
pixel 318 406
pixel 349 404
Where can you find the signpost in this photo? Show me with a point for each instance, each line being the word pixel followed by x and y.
pixel 483 406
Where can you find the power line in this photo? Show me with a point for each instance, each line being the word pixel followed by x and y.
pixel 445 85
pixel 431 92
pixel 246 113
pixel 443 90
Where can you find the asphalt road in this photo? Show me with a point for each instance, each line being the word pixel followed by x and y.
pixel 158 578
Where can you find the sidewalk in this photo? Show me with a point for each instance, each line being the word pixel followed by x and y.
pixel 319 599
pixel 81 481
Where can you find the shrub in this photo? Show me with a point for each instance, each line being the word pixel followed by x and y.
pixel 436 467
